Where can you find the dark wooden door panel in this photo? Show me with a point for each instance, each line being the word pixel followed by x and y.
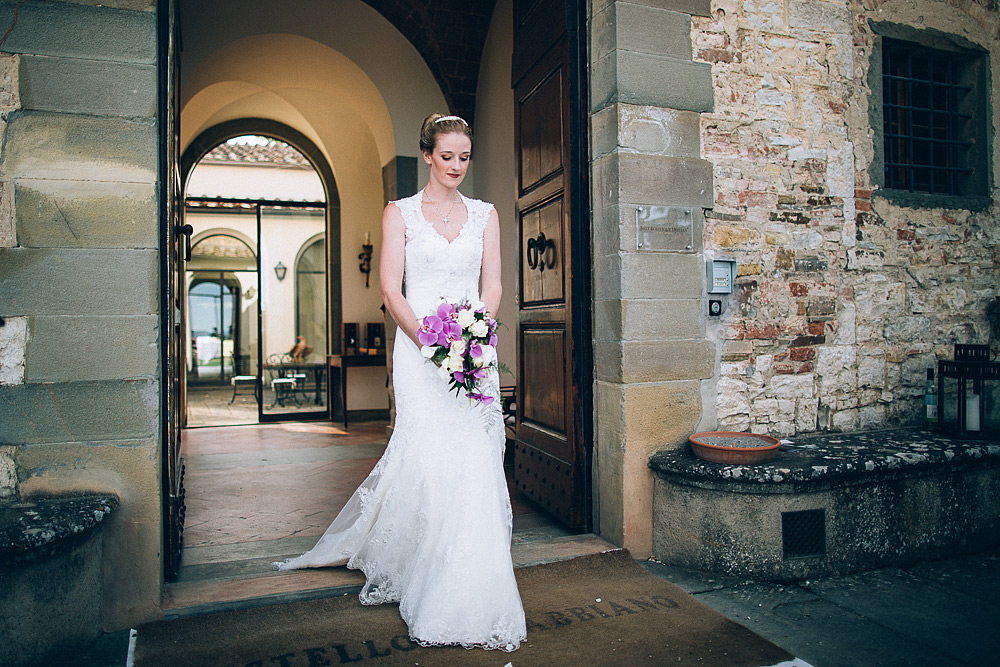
pixel 551 219
pixel 531 287
pixel 541 132
pixel 544 378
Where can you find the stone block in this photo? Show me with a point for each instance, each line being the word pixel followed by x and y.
pixel 826 17
pixel 664 361
pixel 608 360
pixel 661 276
pixel 608 321
pixel 645 79
pixel 644 29
pixel 86 214
pixel 80 411
pixel 608 464
pixel 9 89
pixel 608 228
pixel 604 131
pixel 13 349
pixel 665 181
pixel 78 282
pixel 73 30
pixel 67 349
pixel 97 87
pixel 46 145
pixel 605 184
pixel 607 277
pixel 134 5
pixel 693 7
pixel 651 129
pixel 8 234
pixel 661 415
pixel 661 319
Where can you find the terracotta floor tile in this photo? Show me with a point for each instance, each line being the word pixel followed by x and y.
pixel 239 504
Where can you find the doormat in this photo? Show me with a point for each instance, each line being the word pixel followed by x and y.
pixel 595 610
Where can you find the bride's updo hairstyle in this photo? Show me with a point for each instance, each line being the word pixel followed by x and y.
pixel 437 125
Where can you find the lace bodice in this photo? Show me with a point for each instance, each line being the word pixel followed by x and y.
pixel 436 269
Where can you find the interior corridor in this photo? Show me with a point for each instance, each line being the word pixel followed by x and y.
pixel 259 493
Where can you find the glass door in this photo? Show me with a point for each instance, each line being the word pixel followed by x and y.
pixel 292 282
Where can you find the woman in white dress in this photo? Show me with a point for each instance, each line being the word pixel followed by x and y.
pixel 431 525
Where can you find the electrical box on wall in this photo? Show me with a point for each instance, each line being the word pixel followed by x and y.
pixel 721 276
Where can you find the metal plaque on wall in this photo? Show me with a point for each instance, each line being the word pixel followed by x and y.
pixel 664 228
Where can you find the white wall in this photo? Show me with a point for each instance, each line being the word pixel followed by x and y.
pixel 255 181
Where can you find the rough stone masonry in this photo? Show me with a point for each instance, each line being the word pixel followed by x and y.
pixel 844 299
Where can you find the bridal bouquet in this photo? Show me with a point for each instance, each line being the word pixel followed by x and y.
pixel 460 338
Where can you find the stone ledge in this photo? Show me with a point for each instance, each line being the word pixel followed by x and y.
pixel 813 463
pixel 42 528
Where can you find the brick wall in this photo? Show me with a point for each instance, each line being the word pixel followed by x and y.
pixel 844 299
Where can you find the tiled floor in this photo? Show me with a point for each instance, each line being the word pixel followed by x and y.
pixel 209 405
pixel 258 493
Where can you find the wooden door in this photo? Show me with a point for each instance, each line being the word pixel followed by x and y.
pixel 551 462
pixel 177 244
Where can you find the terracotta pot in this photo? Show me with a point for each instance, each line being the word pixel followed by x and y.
pixel 733 455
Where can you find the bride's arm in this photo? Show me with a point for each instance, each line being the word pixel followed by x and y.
pixel 390 271
pixel 491 288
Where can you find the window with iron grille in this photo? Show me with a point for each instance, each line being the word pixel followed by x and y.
pixel 933 112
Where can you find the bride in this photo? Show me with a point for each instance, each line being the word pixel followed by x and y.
pixel 431 525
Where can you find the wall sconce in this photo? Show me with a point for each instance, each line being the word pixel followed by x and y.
pixel 366 258
pixel 280 270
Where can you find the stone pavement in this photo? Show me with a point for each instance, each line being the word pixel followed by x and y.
pixel 939 613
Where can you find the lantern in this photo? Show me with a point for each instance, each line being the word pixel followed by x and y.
pixel 969 393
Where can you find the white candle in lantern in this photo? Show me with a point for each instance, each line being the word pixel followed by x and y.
pixel 972 411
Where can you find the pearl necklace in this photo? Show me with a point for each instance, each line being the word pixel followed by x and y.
pixel 444 218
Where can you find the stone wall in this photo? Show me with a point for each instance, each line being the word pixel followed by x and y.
pixel 79 282
pixel 844 299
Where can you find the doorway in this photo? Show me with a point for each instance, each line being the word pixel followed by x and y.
pixel 256 286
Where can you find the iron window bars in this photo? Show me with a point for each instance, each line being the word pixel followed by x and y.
pixel 925 119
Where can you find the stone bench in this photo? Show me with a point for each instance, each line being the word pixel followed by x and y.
pixel 828 504
pixel 51 576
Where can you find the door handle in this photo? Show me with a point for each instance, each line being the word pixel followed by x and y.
pixel 186 231
pixel 536 251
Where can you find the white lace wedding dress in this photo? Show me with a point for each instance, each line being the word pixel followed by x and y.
pixel 431 525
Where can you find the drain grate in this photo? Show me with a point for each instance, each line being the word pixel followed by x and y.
pixel 803 534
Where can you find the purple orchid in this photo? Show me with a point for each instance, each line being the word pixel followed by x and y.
pixel 446 311
pixel 430 331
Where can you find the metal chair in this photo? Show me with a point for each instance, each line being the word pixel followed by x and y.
pixel 283 386
pixel 241 380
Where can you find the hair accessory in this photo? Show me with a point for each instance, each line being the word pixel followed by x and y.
pixel 458 118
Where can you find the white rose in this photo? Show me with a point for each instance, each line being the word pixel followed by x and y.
pixel 466 317
pixel 480 329
pixel 455 364
pixel 443 372
pixel 427 351
pixel 478 362
pixel 457 348
pixel 479 305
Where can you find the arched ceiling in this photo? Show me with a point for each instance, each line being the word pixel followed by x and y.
pixel 449 35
